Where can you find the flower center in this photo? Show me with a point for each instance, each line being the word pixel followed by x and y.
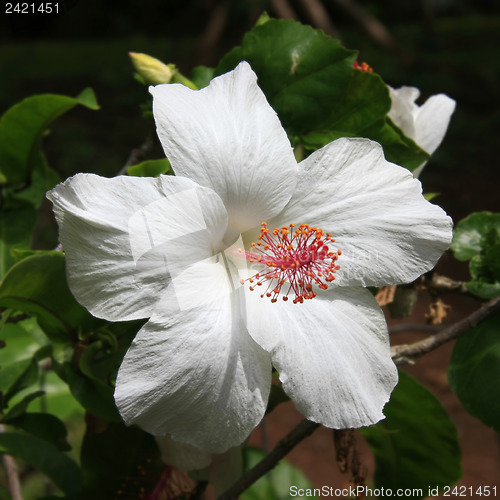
pixel 295 259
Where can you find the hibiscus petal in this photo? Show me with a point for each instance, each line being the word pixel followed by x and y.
pixel 332 353
pixel 194 372
pixel 403 107
pixel 183 457
pixel 126 237
pixel 432 120
pixel 387 231
pixel 228 138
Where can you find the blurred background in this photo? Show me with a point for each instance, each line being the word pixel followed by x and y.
pixel 439 46
pixel 448 46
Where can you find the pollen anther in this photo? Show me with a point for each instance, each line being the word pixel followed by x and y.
pixel 294 259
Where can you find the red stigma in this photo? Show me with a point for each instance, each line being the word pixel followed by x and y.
pixel 294 259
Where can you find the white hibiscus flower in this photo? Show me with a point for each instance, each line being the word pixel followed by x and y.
pixel 178 250
pixel 426 124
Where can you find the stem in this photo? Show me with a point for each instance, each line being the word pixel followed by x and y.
pixel 12 474
pixel 304 429
pixel 137 154
pixel 407 353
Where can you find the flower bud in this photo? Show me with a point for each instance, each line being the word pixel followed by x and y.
pixel 152 70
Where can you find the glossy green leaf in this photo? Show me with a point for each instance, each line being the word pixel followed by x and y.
pixel 150 168
pixel 119 459
pixel 16 225
pixel 45 457
pixel 37 285
pixel 22 127
pixel 469 232
pixel 474 371
pixel 302 71
pixel 416 446
pixel 477 238
pixel 398 148
pixel 276 484
pixel 366 102
pixel 43 425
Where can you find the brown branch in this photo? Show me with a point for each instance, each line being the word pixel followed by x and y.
pixel 408 353
pixel 136 155
pixel 283 9
pixel 211 37
pixel 304 429
pixel 414 327
pixel 319 16
pixel 12 474
pixel 373 27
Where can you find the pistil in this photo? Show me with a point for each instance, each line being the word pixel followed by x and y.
pixel 293 261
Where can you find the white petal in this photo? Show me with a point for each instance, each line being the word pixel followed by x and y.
pixel 226 469
pixel 195 373
pixel 403 108
pixel 183 457
pixel 228 138
pixel 125 237
pixel 432 120
pixel 332 354
pixel 387 231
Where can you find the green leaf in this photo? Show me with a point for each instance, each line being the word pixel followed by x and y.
pixel 120 458
pixel 45 457
pixel 93 394
pixel 276 484
pixel 37 285
pixel 416 446
pixel 302 71
pixel 474 371
pixel 367 101
pixel 16 224
pixel 21 340
pixel 150 168
pixel 398 148
pixel 201 76
pixel 22 127
pixel 43 425
pixel 16 376
pixel 17 410
pixel 477 238
pixel 91 382
pixel 43 178
pixel 469 232
pixel 57 400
